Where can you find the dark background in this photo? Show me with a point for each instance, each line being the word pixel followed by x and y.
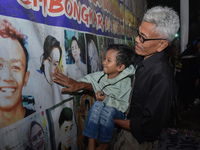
pixel 194 14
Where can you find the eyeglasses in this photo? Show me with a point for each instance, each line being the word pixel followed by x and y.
pixel 142 39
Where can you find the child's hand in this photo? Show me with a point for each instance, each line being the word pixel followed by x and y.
pixel 100 96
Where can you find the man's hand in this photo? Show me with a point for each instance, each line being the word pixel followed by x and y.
pixel 70 84
pixel 60 78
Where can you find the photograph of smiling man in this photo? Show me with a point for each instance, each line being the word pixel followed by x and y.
pixel 13 74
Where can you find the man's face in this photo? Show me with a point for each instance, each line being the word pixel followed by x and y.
pixel 50 63
pixel 12 73
pixel 148 31
pixel 75 50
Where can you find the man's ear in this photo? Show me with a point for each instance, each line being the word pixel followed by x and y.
pixel 121 67
pixel 163 45
pixel 26 77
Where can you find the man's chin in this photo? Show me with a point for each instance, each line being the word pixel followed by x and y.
pixel 7 104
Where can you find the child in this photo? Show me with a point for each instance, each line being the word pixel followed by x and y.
pixel 112 87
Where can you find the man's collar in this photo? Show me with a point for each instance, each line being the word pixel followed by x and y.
pixel 149 62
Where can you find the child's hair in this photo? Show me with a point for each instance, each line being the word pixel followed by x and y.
pixel 125 55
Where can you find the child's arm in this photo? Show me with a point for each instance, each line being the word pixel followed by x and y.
pixel 100 96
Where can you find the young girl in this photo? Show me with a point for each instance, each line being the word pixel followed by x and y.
pixel 112 87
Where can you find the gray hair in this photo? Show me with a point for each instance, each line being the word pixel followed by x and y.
pixel 166 20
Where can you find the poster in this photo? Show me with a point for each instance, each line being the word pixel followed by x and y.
pixel 35 37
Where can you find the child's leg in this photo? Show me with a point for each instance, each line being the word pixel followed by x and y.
pixel 106 127
pixel 91 144
pixel 91 127
pixel 103 146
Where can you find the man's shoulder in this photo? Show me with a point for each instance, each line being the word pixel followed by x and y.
pixel 162 68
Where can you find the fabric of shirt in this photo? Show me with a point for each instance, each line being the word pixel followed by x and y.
pixel 152 97
pixel 118 90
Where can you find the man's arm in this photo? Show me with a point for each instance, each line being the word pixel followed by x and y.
pixel 71 85
pixel 125 124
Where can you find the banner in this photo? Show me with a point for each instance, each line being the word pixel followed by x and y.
pixel 35 37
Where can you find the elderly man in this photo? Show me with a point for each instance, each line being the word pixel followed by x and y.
pixel 153 89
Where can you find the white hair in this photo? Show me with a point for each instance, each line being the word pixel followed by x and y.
pixel 166 20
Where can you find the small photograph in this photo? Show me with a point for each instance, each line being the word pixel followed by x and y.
pixel 63 129
pixel 94 63
pixel 51 57
pixel 102 47
pixel 37 133
pixel 75 54
pixel 32 135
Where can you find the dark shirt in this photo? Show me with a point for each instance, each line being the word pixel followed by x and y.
pixel 198 63
pixel 28 112
pixel 152 97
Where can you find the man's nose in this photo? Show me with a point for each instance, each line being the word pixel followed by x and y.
pixel 136 39
pixel 6 74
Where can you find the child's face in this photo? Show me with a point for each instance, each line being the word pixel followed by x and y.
pixel 110 66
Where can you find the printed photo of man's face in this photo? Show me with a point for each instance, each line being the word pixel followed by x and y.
pixel 13 74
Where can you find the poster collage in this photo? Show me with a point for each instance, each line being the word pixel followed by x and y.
pixel 34 114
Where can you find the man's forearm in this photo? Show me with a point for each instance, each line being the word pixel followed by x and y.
pixel 70 85
pixel 125 124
